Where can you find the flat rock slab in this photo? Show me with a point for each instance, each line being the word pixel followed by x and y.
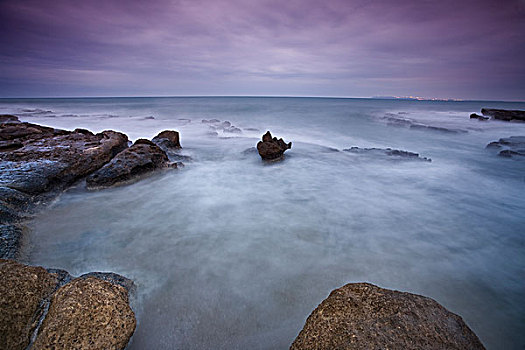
pixel 509 146
pixel 48 309
pixel 141 158
pixel 504 114
pixel 364 316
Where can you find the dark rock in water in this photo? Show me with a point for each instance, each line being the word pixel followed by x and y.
pixel 47 309
pixel 505 115
pixel 272 148
pixel 364 316
pixel 10 240
pixel 22 290
pixel 7 118
pixel 510 146
pixel 397 154
pixel 167 139
pixel 232 129
pixel 211 121
pixel 149 118
pixel 478 117
pixel 141 158
pixel 437 128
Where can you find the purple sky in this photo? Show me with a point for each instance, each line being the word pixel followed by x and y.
pixel 470 49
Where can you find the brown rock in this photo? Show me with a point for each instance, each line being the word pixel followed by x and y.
pixel 167 139
pixel 22 288
pixel 272 148
pixel 141 158
pixel 364 316
pixel 87 313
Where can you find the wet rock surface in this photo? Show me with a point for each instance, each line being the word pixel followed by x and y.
pixel 49 309
pixel 364 316
pixel 271 148
pixel 398 120
pixel 389 152
pixel 478 117
pixel 142 158
pixel 513 146
pixel 167 140
pixel 503 114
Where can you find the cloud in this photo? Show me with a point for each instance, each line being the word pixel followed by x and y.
pixel 354 48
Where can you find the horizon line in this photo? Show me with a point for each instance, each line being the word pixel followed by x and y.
pixel 394 98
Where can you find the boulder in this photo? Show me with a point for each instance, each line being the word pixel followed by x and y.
pixel 48 309
pixel 272 148
pixel 167 140
pixel 87 313
pixel 22 290
pixel 503 114
pixel 478 117
pixel 364 316
pixel 142 158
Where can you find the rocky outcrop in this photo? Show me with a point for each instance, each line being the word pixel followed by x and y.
pixel 389 152
pixel 167 140
pixel 478 117
pixel 141 159
pixel 364 316
pixel 48 309
pixel 37 161
pixel 510 146
pixel 437 129
pixel 272 148
pixel 503 114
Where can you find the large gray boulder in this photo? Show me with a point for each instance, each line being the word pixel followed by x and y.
pixel 364 316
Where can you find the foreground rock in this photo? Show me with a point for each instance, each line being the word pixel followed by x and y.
pixel 167 140
pixel 505 115
pixel 364 316
pixel 47 309
pixel 142 158
pixel 389 152
pixel 272 148
pixel 510 146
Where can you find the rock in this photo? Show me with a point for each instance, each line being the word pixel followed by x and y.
pixel 7 118
pixel 478 117
pixel 364 316
pixel 395 153
pixel 272 148
pixel 232 129
pixel 510 146
pixel 141 158
pixel 503 114
pixel 10 240
pixel 437 128
pixel 48 309
pixel 22 289
pixel 87 313
pixel 211 121
pixel 167 140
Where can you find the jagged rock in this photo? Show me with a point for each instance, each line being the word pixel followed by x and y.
pixel 272 148
pixel 167 140
pixel 87 313
pixel 503 114
pixel 141 158
pixel 364 316
pixel 22 289
pixel 10 240
pixel 510 146
pixel 478 117
pixel 395 153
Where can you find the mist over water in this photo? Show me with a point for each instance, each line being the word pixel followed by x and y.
pixel 233 253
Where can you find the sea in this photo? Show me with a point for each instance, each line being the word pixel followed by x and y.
pixel 230 252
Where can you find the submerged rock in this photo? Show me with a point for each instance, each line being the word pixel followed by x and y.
pixel 48 309
pixel 478 117
pixel 509 146
pixel 437 128
pixel 141 158
pixel 272 148
pixel 364 316
pixel 503 114
pixel 395 153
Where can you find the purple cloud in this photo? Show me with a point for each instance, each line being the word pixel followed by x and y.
pixel 467 49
